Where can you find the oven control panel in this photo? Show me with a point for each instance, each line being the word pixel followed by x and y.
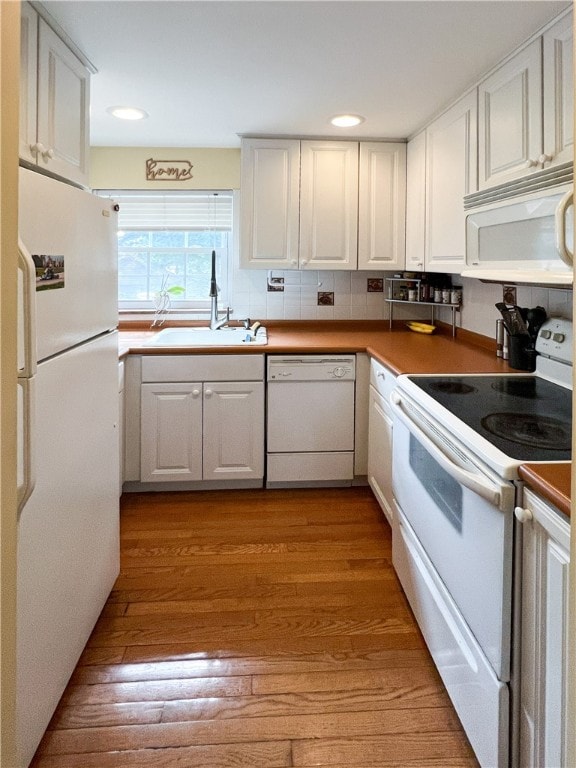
pixel 555 339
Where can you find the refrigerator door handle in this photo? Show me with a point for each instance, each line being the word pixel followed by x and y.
pixel 26 469
pixel 27 312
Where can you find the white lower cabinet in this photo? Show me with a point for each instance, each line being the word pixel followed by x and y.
pixel 544 634
pixel 171 432
pixel 382 382
pixel 201 430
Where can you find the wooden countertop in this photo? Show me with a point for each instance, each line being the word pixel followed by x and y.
pixel 551 481
pixel 401 350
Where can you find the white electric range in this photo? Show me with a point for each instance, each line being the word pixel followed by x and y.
pixel 458 443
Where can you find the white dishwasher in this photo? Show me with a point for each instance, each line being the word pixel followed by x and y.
pixel 310 420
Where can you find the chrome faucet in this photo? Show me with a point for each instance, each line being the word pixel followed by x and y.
pixel 215 324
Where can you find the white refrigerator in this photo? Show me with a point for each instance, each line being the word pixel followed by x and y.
pixel 68 531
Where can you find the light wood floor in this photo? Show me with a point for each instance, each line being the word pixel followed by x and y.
pixel 257 629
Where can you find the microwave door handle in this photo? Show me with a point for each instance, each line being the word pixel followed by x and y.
pixel 561 246
pixel 475 483
pixel 27 310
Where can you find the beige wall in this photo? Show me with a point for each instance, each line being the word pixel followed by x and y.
pixel 125 167
pixel 9 62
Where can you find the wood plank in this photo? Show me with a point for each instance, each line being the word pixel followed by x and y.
pixel 253 665
pixel 402 749
pixel 255 755
pixel 332 726
pixel 154 690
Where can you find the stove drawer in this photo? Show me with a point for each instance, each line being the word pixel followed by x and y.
pixel 479 698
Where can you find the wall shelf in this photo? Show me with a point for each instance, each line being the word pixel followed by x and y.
pixel 432 304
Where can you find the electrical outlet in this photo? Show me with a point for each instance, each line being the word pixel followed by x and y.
pixel 509 294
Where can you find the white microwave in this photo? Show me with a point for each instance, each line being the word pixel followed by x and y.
pixel 527 239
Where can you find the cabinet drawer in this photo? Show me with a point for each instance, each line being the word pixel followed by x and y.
pixel 202 368
pixel 382 379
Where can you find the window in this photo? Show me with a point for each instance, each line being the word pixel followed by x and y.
pixel 165 241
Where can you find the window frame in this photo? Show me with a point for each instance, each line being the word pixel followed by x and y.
pixel 224 253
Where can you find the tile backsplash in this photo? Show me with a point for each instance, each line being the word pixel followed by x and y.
pixel 307 295
pixel 337 295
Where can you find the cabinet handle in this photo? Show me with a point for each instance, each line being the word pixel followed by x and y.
pixel 523 515
pixel 208 393
pixel 195 393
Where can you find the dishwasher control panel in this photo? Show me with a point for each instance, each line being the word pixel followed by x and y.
pixel 312 368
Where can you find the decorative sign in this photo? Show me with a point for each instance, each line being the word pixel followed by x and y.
pixel 49 272
pixel 168 170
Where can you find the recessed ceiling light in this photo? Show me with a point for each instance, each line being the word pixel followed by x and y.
pixel 127 113
pixel 347 121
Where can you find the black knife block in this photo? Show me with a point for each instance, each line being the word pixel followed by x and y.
pixel 521 353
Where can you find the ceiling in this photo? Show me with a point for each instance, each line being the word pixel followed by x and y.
pixel 208 71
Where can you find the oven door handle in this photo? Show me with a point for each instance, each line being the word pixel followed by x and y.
pixel 475 483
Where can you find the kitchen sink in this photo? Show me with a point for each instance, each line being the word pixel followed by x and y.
pixel 206 337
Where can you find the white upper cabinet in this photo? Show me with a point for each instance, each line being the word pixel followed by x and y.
pixel 322 204
pixel 381 205
pixel 54 102
pixel 28 65
pixel 270 203
pixel 451 173
pixel 416 202
pixel 328 204
pixel 526 109
pixel 510 118
pixel 558 93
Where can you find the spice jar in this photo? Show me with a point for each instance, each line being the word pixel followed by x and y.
pixel 456 295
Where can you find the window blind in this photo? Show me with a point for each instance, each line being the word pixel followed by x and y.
pixel 173 210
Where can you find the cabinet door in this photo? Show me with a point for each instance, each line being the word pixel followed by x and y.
pixel 451 147
pixel 329 205
pixel 171 432
pixel 233 430
pixel 270 203
pixel 380 453
pixel 558 93
pixel 544 643
pixel 28 59
pixel 510 118
pixel 381 206
pixel 63 104
pixel 416 202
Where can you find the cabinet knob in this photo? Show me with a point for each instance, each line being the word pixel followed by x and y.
pixel 294 262
pixel 531 163
pixel 37 148
pixel 208 393
pixel 544 159
pixel 195 393
pixel 47 154
pixel 523 515
pixel 303 262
